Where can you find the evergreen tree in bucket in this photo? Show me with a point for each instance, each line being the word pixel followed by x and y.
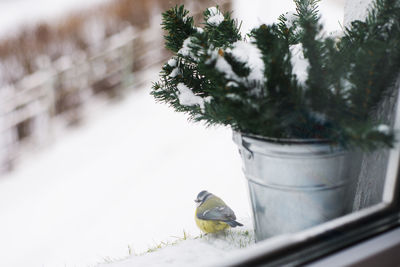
pixel 287 80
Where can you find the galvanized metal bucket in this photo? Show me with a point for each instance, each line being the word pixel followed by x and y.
pixel 296 184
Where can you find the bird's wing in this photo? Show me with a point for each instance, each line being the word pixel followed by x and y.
pixel 219 213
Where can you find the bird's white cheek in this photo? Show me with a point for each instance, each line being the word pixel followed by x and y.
pixel 198 204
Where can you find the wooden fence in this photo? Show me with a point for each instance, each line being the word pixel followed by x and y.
pixel 29 107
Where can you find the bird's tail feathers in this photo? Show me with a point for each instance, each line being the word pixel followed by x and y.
pixel 234 223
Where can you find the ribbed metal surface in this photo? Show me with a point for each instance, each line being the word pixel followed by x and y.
pixel 297 184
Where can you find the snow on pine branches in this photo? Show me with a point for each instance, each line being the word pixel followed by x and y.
pixel 215 17
pixel 187 98
pixel 284 80
pixel 300 64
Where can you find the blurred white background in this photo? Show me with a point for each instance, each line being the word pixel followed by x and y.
pixel 256 12
pixel 16 13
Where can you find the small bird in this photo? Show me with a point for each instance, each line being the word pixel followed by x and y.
pixel 212 214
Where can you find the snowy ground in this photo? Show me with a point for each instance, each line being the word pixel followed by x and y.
pixel 128 177
pixel 204 250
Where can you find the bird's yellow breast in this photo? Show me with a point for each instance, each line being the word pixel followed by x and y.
pixel 210 226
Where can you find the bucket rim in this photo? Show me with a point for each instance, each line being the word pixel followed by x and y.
pixel 288 141
pixel 292 148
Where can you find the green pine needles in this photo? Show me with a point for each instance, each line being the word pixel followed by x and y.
pixel 285 80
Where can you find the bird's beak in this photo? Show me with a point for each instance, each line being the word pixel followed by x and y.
pixel 197 201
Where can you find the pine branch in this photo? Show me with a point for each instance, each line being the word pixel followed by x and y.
pixel 314 50
pixel 220 34
pixel 178 25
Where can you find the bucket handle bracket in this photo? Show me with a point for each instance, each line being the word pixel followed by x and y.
pixel 247 152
